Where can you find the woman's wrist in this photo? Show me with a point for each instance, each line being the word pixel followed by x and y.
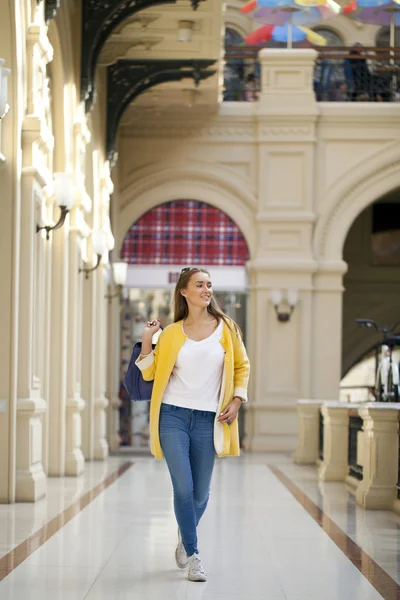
pixel 147 346
pixel 238 400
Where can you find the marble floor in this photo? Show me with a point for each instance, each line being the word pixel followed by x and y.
pixel 258 541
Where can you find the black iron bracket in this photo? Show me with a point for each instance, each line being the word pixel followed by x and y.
pixel 50 9
pixel 99 19
pixel 127 79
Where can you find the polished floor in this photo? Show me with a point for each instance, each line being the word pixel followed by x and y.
pixel 271 532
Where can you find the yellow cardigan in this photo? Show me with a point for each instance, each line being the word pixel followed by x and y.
pixel 159 365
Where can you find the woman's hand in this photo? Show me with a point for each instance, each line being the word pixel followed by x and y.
pixel 230 413
pixel 151 328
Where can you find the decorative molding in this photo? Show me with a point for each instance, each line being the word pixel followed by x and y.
pixel 128 78
pixel 284 131
pixel 193 129
pixel 99 19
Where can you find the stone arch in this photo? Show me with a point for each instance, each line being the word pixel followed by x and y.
pixel 321 27
pixel 358 189
pixel 218 187
pixel 343 27
pixel 237 20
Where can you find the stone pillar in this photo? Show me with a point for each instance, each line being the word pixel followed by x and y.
pixel 114 337
pixel 90 307
pixel 336 442
pixel 78 232
pixel 308 413
pixel 101 402
pixel 59 348
pixel 281 369
pixel 113 369
pixel 37 144
pixel 74 459
pixel 326 333
pixel 381 456
pixel 30 476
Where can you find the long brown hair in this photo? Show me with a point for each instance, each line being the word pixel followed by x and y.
pixel 181 308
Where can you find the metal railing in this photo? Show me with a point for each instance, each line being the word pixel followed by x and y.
pixel 355 425
pixel 341 74
pixel 321 437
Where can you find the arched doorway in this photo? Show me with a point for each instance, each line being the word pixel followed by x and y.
pixel 156 247
pixel 357 189
pixel 372 290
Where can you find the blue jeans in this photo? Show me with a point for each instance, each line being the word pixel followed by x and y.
pixel 187 441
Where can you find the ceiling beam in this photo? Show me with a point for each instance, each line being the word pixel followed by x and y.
pixel 127 79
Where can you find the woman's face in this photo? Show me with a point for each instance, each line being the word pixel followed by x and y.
pixel 199 290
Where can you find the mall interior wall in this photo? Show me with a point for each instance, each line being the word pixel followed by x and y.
pixel 293 174
pixel 54 329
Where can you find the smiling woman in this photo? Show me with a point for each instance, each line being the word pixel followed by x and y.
pixel 200 371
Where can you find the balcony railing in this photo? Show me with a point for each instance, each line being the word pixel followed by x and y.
pixel 321 437
pixel 341 74
pixel 355 426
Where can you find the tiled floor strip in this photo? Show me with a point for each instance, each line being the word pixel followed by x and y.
pixel 13 559
pixel 382 582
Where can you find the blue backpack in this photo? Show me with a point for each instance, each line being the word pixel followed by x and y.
pixel 137 388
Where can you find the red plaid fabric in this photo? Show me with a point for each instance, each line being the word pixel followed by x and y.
pixel 185 232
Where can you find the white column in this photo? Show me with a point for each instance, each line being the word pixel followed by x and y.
pixel 114 336
pixel 113 369
pixel 74 459
pixel 308 413
pixel 30 476
pixel 326 332
pixel 89 340
pixel 59 350
pixel 377 489
pixel 101 402
pixel 280 352
pixel 37 144
pixel 335 465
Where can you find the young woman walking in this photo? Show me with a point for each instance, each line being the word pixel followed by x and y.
pixel 200 370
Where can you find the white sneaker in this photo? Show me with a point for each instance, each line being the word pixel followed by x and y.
pixel 180 553
pixel 196 569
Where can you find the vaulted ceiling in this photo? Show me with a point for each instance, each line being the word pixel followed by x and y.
pixel 137 43
pixel 136 47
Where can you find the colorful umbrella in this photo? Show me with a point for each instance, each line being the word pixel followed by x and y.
pixel 291 13
pixel 254 4
pixel 283 34
pixel 295 14
pixel 375 12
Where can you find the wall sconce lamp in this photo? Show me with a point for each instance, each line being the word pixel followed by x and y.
pixel 185 31
pixel 63 197
pixel 120 272
pixel 4 74
pixel 291 297
pixel 99 246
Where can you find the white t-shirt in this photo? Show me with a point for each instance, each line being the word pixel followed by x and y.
pixel 195 381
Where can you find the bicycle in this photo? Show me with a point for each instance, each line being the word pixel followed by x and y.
pixel 387 381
